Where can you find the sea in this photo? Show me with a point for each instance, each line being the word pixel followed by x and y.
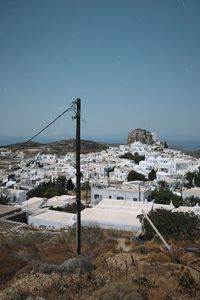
pixel 188 145
pixel 185 145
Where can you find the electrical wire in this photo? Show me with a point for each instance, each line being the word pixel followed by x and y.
pixel 70 108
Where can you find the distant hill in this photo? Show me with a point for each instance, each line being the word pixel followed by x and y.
pixel 59 147
pixel 195 153
pixel 23 144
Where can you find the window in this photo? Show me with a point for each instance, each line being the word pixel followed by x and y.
pixel 110 197
pixel 134 199
pixel 120 198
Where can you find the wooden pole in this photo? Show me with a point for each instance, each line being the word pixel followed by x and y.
pixel 78 177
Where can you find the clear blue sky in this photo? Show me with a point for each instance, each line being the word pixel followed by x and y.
pixel 134 64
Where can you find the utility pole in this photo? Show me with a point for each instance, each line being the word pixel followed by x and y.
pixel 181 190
pixel 78 176
pixel 139 191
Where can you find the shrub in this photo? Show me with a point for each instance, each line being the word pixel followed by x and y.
pixel 157 257
pixel 141 249
pixel 4 200
pixel 175 225
pixel 176 254
pixel 133 175
pixel 70 208
pixel 117 291
pixel 48 190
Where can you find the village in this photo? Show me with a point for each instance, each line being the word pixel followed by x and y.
pixel 139 222
pixel 117 185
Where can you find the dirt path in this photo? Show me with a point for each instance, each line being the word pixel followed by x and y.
pixel 122 245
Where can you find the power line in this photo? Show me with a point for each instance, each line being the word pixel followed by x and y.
pixel 70 108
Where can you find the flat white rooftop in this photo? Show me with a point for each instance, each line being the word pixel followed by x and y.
pixel 61 201
pixel 32 204
pixel 194 191
pixel 67 198
pixel 115 214
pixel 53 219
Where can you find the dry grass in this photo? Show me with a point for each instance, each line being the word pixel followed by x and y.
pixel 40 264
pixel 118 291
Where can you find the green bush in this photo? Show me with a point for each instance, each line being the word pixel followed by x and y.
pixel 133 175
pixel 191 201
pixel 48 190
pixel 71 208
pixel 173 225
pixel 4 200
pixel 165 196
pixel 136 157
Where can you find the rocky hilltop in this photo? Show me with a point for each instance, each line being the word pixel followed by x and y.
pixel 145 137
pixel 141 135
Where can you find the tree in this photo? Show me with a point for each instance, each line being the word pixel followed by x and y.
pixel 70 186
pixel 190 178
pixel 70 208
pixel 11 177
pixel 177 200
pixel 162 196
pixel 85 186
pixel 61 181
pixel 133 175
pixel 193 179
pixel 162 184
pixel 197 179
pixel 136 157
pixel 191 201
pixel 127 155
pixel 4 200
pixel 165 196
pixel 165 145
pixel 47 190
pixel 173 225
pixel 108 170
pixel 152 175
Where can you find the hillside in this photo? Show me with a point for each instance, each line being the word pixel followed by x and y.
pixel 195 153
pixel 60 147
pixel 43 265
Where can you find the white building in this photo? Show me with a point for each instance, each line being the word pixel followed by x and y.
pixel 60 201
pixel 46 158
pixel 33 205
pixel 16 196
pixel 119 173
pixel 52 219
pixel 5 151
pixel 131 191
pixel 195 191
pixel 111 214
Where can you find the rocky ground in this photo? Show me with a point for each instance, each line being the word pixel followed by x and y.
pixel 42 265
